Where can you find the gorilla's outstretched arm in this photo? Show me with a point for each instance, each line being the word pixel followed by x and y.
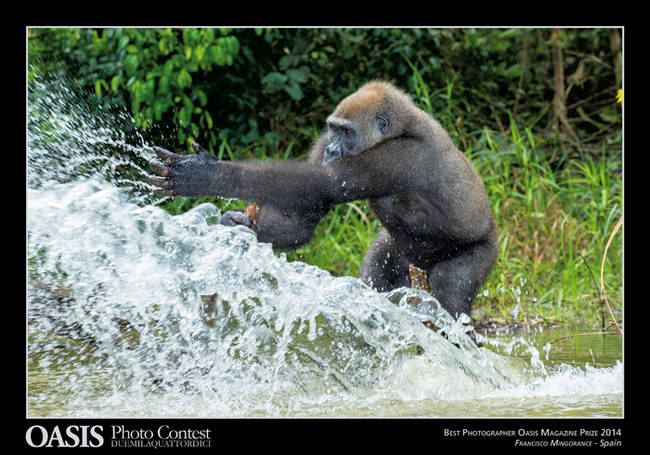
pixel 287 185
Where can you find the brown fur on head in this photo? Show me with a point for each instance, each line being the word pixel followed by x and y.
pixel 377 96
pixel 368 98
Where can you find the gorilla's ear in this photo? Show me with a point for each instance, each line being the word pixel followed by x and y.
pixel 382 122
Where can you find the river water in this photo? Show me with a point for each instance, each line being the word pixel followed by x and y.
pixel 132 312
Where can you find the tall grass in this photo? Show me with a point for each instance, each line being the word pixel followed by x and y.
pixel 551 223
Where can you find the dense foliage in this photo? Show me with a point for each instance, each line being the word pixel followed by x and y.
pixel 534 109
pixel 267 91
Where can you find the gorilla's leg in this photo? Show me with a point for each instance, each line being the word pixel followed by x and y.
pixel 455 281
pixel 384 267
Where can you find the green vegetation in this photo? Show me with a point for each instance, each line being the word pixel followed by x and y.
pixel 535 110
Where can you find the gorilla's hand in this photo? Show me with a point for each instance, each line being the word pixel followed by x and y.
pixel 234 218
pixel 185 175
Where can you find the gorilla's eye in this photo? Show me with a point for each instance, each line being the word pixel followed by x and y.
pixel 347 132
pixel 333 128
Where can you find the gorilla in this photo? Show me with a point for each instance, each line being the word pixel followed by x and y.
pixel 377 146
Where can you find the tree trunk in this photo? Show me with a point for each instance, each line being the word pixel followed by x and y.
pixel 523 59
pixel 615 43
pixel 559 107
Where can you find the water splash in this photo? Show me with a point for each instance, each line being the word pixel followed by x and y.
pixel 72 135
pixel 133 312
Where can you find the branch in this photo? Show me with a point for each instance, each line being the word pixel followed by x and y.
pixel 600 296
pixel 602 273
pixel 583 334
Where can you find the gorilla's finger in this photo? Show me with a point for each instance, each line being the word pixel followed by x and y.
pixel 227 221
pixel 233 218
pixel 159 168
pixel 166 156
pixel 159 182
pixel 198 149
pixel 242 219
pixel 164 192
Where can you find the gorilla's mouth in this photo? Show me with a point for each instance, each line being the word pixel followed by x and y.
pixel 332 152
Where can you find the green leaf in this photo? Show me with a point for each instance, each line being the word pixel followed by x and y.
pixel 135 90
pixel 199 51
pixel 146 91
pixel 184 116
pixel 184 79
pixel 131 64
pixel 188 103
pixel 297 75
pixel 294 91
pixel 232 45
pixel 435 62
pixel 208 119
pixel 510 33
pixel 513 71
pixel 115 83
pixel 203 99
pixel 217 55
pixel 274 78
pixel 163 84
pixel 191 36
pixel 168 69
pixel 157 110
pixel 609 115
pixel 162 46
pixel 122 42
pixel 288 61
pixel 98 86
pixel 208 35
